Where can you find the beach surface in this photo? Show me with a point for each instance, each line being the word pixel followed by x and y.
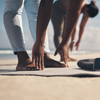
pixel 39 87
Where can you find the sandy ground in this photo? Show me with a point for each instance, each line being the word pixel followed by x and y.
pixel 49 88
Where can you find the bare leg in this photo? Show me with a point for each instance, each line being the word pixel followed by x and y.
pixel 24 62
pixel 13 25
pixel 68 57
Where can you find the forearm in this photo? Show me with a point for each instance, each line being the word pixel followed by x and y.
pixel 44 15
pixel 82 27
pixel 80 33
pixel 73 34
pixel 73 13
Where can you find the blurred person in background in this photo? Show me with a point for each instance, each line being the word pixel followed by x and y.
pixel 58 18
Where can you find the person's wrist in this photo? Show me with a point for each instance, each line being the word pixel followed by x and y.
pixel 64 43
pixel 40 43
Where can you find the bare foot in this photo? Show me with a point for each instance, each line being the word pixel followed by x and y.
pixel 71 59
pixel 49 62
pixel 68 58
pixel 24 62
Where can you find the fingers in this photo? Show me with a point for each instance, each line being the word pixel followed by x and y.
pixel 36 62
pixel 56 52
pixel 77 45
pixel 64 56
pixel 39 62
pixel 71 47
pixel 33 59
pixel 38 56
pixel 77 48
pixel 42 63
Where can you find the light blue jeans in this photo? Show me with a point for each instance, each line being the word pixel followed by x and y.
pixel 13 22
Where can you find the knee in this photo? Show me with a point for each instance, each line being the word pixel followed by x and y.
pixel 12 12
pixel 8 13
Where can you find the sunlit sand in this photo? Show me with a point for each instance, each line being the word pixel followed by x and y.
pixel 49 86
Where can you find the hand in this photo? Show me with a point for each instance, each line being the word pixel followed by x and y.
pixel 63 50
pixel 77 45
pixel 71 46
pixel 38 55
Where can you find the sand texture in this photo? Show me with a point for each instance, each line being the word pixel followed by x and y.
pixel 61 87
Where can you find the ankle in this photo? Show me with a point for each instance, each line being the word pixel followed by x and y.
pixel 68 55
pixel 22 56
pixel 47 56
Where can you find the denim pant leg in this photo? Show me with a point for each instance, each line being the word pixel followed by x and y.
pixel 13 23
pixel 31 7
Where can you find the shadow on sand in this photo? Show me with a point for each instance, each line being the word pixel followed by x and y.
pixel 2 71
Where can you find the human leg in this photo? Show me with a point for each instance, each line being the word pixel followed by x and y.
pixel 32 11
pixel 31 7
pixel 68 55
pixel 13 26
pixel 58 21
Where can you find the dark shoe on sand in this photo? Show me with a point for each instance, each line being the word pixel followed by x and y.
pixel 86 64
pixel 89 64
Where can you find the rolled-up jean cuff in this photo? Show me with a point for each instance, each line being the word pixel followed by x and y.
pixel 19 51
pixel 15 52
pixel 47 51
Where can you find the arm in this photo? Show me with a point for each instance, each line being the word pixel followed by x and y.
pixel 44 14
pixel 81 30
pixel 72 39
pixel 74 9
pixel 73 34
pixel 73 12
